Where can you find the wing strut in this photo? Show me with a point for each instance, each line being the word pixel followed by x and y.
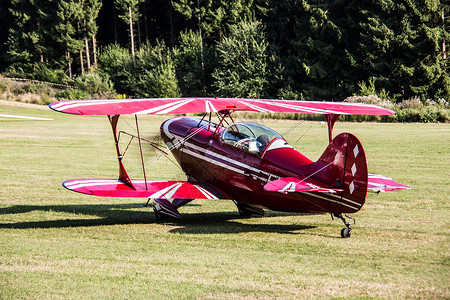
pixel 123 175
pixel 140 148
pixel 331 119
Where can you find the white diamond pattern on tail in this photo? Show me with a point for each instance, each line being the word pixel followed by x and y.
pixel 356 151
pixel 353 169
pixel 351 187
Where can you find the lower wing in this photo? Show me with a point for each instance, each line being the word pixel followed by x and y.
pixel 142 189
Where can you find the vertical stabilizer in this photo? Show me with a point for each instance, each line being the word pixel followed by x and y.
pixel 343 165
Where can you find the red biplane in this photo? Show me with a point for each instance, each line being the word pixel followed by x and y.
pixel 245 162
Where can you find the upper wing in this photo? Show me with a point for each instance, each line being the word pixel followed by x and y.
pixel 206 105
pixel 153 189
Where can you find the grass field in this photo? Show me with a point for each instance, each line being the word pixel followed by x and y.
pixel 58 244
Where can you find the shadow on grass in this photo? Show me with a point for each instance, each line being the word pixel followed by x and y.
pixel 228 222
pixel 194 223
pixel 106 215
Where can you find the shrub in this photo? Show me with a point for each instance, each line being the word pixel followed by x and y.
pixel 414 110
pixel 369 89
pixel 72 94
pixel 39 71
pixel 44 73
pixel 154 72
pixel 370 99
pixel 5 85
pixel 194 64
pixel 151 73
pixel 94 83
pixel 412 103
pixel 117 63
pixel 288 94
pixel 409 110
pixel 242 61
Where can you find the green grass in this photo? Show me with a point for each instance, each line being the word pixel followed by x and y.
pixel 58 244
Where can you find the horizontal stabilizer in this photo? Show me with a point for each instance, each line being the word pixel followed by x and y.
pixel 379 183
pixel 153 189
pixel 291 184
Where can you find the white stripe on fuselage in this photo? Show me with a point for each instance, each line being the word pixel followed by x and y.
pixel 330 200
pixel 213 161
pixel 348 200
pixel 235 162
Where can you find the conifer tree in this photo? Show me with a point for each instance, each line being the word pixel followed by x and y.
pixel 321 46
pixel 402 48
pixel 193 64
pixel 66 29
pixel 242 62
pixel 213 18
pixel 28 39
pixel 6 17
pixel 91 9
pixel 129 14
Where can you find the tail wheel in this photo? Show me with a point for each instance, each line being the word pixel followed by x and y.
pixel 346 232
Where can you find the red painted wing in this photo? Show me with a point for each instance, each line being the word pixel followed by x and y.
pixel 379 183
pixel 155 189
pixel 205 105
pixel 291 184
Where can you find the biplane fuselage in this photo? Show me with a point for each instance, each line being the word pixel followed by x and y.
pixel 241 174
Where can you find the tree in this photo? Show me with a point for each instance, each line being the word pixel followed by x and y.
pixel 193 73
pixel 154 72
pixel 6 16
pixel 242 62
pixel 117 63
pixel 66 29
pixel 395 45
pixel 321 48
pixel 91 9
pixel 150 73
pixel 402 48
pixel 213 18
pixel 28 39
pixel 130 15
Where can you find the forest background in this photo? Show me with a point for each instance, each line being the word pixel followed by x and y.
pixel 387 52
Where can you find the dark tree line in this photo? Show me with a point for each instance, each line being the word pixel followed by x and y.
pixel 291 49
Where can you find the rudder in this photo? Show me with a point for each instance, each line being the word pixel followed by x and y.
pixel 343 165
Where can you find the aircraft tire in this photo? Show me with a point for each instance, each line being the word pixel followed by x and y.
pixel 346 232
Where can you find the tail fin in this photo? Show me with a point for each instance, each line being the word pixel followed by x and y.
pixel 343 165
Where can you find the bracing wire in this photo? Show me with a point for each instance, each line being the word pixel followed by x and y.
pixel 326 166
pixel 175 145
pixel 303 134
pixel 296 125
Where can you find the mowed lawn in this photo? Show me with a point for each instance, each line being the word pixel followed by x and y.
pixel 59 244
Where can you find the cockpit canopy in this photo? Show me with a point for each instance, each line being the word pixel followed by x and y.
pixel 253 138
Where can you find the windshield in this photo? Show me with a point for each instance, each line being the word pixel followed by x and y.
pixel 251 137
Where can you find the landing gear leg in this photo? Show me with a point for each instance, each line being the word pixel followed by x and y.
pixel 248 210
pixel 163 209
pixel 347 231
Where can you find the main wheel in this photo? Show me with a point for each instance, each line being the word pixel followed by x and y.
pixel 346 232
